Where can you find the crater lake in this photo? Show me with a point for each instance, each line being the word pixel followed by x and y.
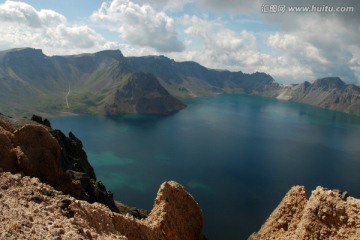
pixel 238 155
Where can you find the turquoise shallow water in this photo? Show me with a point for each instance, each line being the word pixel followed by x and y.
pixel 236 154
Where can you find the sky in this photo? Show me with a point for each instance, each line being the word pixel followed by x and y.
pixel 292 40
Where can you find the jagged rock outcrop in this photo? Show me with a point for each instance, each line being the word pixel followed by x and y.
pixel 36 150
pixel 327 214
pixel 30 209
pixel 175 214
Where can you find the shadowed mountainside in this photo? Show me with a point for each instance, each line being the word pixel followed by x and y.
pixel 108 83
pixel 31 82
pixel 190 79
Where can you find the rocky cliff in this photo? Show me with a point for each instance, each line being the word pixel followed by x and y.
pixel 327 214
pixel 35 149
pixel 190 79
pixel 41 165
pixel 30 209
pixel 329 93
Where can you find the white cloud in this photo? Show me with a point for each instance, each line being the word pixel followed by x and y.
pixel 233 6
pixel 23 25
pixel 296 48
pixel 77 36
pixel 324 45
pixel 167 4
pixel 221 48
pixel 224 48
pixel 23 13
pixel 50 17
pixel 140 25
pixel 307 45
pixel 304 46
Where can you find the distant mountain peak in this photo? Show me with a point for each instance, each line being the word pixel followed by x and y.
pixel 159 58
pixel 22 52
pixel 329 83
pixel 110 53
pixel 108 82
pixel 28 51
pixel 117 54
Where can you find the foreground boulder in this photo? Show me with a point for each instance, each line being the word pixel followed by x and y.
pixel 327 214
pixel 30 209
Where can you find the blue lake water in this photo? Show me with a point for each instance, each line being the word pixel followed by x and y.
pixel 237 155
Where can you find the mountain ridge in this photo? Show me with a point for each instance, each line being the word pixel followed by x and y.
pixel 93 83
pixel 196 79
pixel 330 93
pixel 35 83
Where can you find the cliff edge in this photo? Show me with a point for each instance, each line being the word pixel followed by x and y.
pixel 327 214
pixel 30 209
pixel 34 149
pixel 48 190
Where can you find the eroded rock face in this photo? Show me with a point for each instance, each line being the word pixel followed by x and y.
pixel 34 149
pixel 31 209
pixel 7 152
pixel 327 214
pixel 176 214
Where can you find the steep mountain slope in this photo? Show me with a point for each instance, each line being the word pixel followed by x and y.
pixel 32 82
pixel 109 83
pixel 190 79
pixel 330 93
pixel 142 93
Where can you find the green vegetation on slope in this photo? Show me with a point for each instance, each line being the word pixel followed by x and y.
pixel 109 83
